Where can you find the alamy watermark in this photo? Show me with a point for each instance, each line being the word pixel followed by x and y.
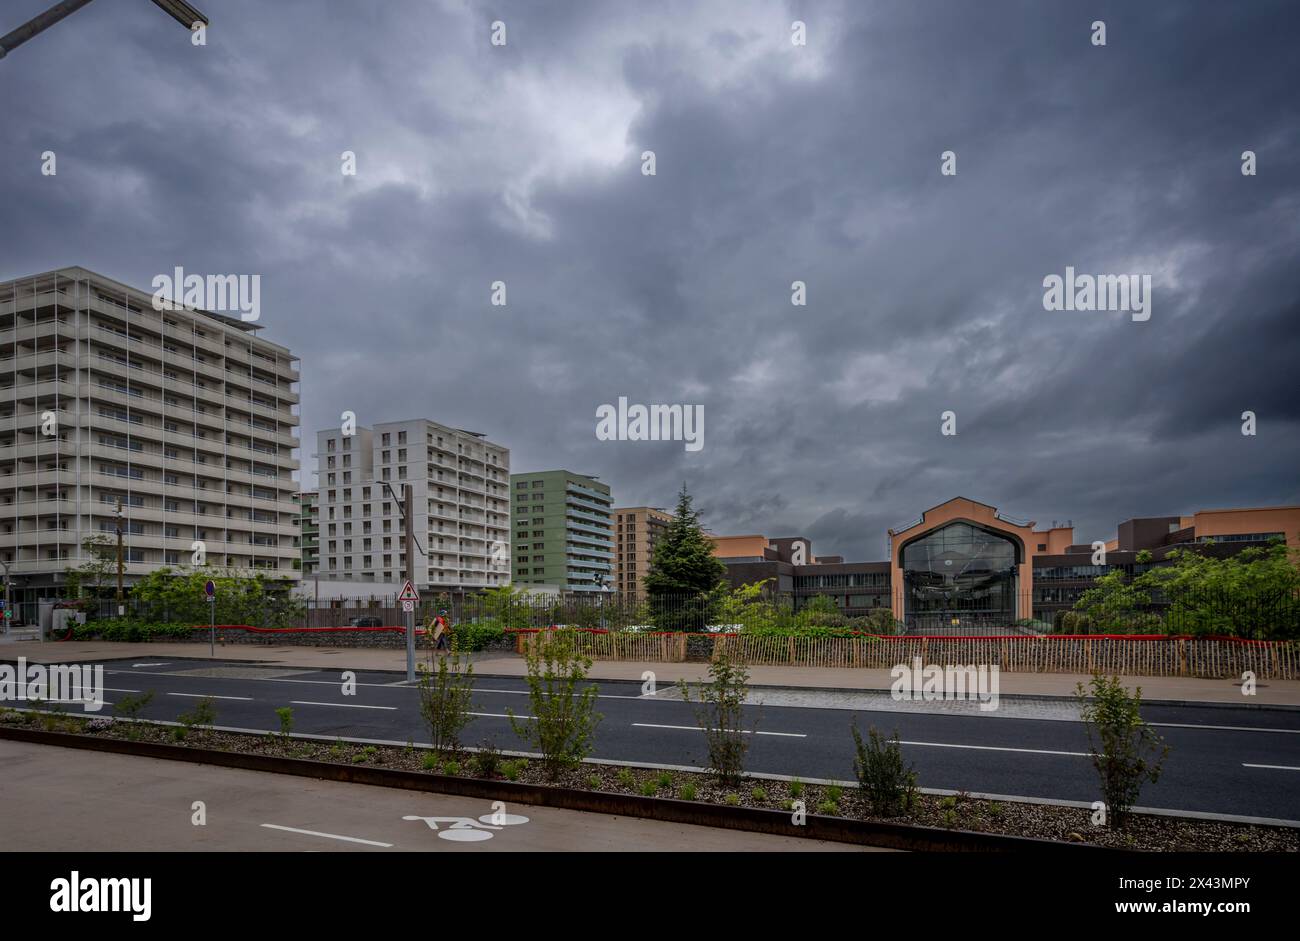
pixel 625 422
pixel 55 682
pixel 1126 292
pixel 222 293
pixel 933 682
pixel 88 894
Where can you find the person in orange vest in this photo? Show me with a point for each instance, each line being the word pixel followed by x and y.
pixel 441 631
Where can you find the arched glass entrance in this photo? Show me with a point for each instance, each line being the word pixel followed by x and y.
pixel 959 572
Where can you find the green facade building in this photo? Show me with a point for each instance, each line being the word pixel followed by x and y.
pixel 562 533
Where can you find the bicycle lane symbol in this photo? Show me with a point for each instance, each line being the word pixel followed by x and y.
pixel 469 830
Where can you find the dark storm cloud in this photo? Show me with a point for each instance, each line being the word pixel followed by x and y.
pixel 821 164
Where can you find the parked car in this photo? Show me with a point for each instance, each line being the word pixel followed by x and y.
pixel 366 622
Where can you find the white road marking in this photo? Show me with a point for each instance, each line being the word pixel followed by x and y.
pixel 498 715
pixel 1027 751
pixel 1271 767
pixel 210 696
pixel 696 728
pixel 399 684
pixel 110 689
pixel 346 705
pixel 328 836
pixel 1220 728
pixel 151 664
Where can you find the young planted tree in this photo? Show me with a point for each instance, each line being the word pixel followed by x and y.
pixel 564 718
pixel 720 715
pixel 887 781
pixel 1124 749
pixel 446 693
pixel 684 573
pixel 99 567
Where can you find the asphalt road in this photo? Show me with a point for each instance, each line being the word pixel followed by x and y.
pixel 123 803
pixel 1234 761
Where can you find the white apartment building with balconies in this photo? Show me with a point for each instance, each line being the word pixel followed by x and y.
pixel 460 483
pixel 186 418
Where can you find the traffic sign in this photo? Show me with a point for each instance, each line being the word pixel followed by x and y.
pixel 408 606
pixel 409 593
pixel 210 589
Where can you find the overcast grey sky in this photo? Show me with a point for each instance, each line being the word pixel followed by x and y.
pixel 820 163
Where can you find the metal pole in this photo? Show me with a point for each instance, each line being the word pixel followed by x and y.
pixel 408 524
pixel 9 613
pixel 212 626
pixel 38 24
pixel 120 607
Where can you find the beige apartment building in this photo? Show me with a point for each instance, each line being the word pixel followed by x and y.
pixel 184 418
pixel 461 487
pixel 636 530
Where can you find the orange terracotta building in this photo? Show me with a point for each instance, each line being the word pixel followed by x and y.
pixel 966 564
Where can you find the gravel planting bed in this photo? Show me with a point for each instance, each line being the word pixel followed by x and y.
pixel 1011 818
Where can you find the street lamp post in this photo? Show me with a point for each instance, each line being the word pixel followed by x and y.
pixel 118 520
pixel 178 10
pixel 9 612
pixel 408 534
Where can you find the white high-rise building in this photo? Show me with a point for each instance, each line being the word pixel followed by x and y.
pixel 461 488
pixel 185 418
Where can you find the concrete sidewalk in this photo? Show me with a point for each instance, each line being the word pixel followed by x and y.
pixel 1269 693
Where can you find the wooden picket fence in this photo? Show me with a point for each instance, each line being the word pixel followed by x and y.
pixel 614 645
pixel 1206 657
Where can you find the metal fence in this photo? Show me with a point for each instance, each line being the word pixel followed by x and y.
pixel 1206 657
pixel 1250 614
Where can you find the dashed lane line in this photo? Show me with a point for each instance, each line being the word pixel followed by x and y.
pixel 696 728
pixel 328 836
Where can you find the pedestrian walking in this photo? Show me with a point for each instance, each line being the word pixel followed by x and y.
pixel 441 632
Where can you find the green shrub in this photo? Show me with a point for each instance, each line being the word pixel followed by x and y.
pixel 889 784
pixel 1124 749
pixel 446 694
pixel 731 800
pixel 625 778
pixel 430 761
pixel 759 795
pixel 203 715
pixel 687 791
pixel 593 782
pixel 285 714
pixel 834 793
pixel 129 707
pixel 451 767
pixel 564 717
pixel 720 715
pixel 796 789
pixel 487 760
pixel 131 630
pixel 649 788
pixel 479 635
pixel 829 808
